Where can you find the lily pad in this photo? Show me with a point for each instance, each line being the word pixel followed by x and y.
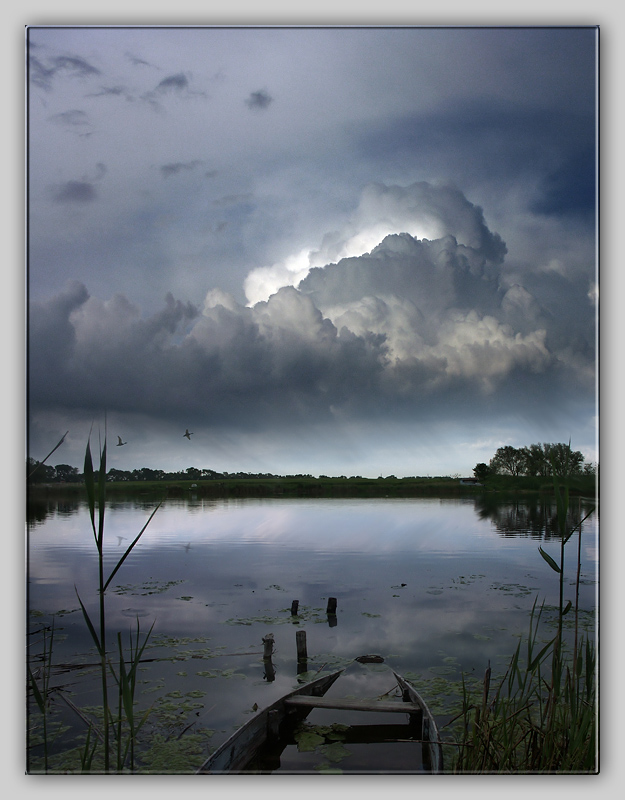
pixel 335 752
pixel 307 741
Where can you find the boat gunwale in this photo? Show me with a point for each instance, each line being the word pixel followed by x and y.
pixel 257 728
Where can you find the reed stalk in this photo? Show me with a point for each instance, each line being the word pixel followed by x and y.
pixel 96 500
pixel 41 693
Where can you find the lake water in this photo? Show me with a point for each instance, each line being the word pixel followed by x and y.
pixel 438 588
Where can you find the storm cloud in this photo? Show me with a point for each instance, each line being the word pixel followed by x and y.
pixel 411 324
pixel 389 251
pixel 259 100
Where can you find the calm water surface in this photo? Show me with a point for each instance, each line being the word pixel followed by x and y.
pixel 437 587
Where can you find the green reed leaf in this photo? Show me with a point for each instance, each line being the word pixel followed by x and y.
pixel 132 544
pixel 36 692
pixel 92 630
pixel 90 487
pixel 549 560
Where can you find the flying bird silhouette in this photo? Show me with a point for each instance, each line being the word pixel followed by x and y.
pixel 187 434
pixel 119 442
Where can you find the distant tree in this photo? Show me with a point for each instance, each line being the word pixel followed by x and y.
pixel 210 473
pixel 509 460
pixel 37 472
pixel 118 475
pixel 65 472
pixel 193 473
pixel 590 469
pixel 564 460
pixel 536 460
pixel 482 471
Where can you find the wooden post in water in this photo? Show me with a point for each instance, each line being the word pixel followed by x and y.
pixel 331 611
pixel 270 672
pixel 300 640
pixel 294 607
pixel 268 645
pixel 302 653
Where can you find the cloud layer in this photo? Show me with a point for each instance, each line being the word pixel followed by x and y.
pixel 401 330
pixel 312 232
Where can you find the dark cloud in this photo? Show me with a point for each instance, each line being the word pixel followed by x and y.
pixel 74 66
pixel 494 141
pixel 174 168
pixel 176 83
pixel 571 187
pixel 413 329
pixel 138 62
pixel 422 300
pixel 73 118
pixel 39 74
pixel 51 342
pixel 74 192
pixel 259 100
pixel 42 71
pixel 111 91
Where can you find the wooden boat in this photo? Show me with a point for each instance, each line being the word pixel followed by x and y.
pixel 258 745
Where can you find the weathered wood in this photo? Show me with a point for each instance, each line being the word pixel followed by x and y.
pixel 237 751
pixel 384 706
pixel 300 642
pixel 432 748
pixel 271 730
pixel 270 670
pixel 294 607
pixel 273 722
pixel 268 642
pixel 331 608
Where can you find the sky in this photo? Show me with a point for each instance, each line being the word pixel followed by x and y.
pixel 341 251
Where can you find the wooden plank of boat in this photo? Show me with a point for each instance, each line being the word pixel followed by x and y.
pixel 432 750
pixel 243 745
pixel 341 704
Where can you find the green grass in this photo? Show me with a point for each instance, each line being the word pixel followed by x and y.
pixel 304 486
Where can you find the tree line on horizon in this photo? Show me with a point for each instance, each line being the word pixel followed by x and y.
pixel 537 460
pixel 38 472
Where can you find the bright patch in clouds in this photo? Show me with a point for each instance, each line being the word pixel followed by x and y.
pixel 436 206
pixel 261 283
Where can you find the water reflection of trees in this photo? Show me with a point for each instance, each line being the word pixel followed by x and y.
pixel 37 511
pixel 533 518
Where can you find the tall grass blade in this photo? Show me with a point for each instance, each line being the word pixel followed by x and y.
pixel 90 488
pixel 101 496
pixel 130 547
pixel 90 626
pixel 539 658
pixel 36 693
pixel 43 461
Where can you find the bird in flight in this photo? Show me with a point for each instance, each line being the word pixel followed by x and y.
pixel 119 441
pixel 187 434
